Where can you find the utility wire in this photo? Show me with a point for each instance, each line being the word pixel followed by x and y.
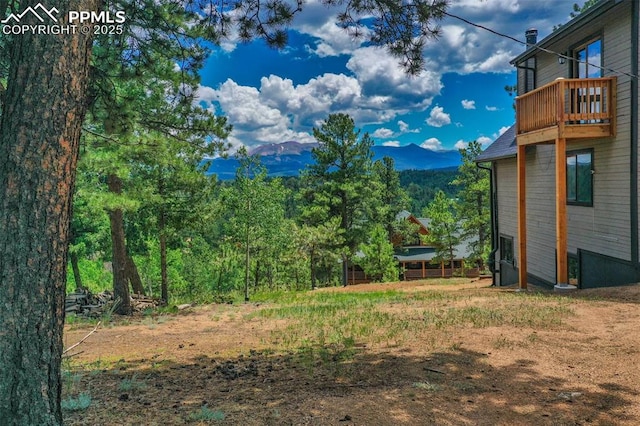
pixel 528 45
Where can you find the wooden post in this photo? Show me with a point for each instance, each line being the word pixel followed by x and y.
pixel 561 211
pixel 522 217
pixel 424 274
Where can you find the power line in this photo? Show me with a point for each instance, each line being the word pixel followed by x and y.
pixel 528 45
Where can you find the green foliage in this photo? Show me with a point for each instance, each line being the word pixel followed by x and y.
pixel 422 185
pixel 391 198
pixel 149 268
pixel 444 228
pixel 254 214
pixel 378 261
pixel 472 205
pixel 338 184
pixel 81 403
pixel 94 275
pixel 207 414
pixel 577 10
pixel 132 385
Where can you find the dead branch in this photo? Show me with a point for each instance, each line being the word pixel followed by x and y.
pixel 82 340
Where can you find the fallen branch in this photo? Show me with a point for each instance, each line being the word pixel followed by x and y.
pixel 82 340
pixel 72 355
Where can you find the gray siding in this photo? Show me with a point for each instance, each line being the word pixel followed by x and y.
pixel 605 227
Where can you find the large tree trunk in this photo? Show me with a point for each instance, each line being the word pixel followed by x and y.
pixel 119 249
pixel 42 113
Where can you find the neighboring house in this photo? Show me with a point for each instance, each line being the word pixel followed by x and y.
pixel 415 258
pixel 565 177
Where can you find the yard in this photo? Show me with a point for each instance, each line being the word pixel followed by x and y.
pixel 446 352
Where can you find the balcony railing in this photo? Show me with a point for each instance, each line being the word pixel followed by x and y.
pixel 567 108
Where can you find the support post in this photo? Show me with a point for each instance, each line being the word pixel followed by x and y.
pixel 561 212
pixel 522 217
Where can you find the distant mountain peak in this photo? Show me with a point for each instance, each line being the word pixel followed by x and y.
pixel 284 148
pixel 291 157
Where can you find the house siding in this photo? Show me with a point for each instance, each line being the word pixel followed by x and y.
pixel 600 232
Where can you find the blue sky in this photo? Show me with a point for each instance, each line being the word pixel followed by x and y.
pixel 273 96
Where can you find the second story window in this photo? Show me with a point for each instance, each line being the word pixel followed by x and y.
pixel 580 178
pixel 588 62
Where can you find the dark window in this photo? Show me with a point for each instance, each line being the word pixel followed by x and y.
pixel 580 178
pixel 506 249
pixel 530 75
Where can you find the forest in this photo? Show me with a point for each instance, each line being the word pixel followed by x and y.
pixel 147 208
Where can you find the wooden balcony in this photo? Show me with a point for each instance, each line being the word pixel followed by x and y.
pixel 567 108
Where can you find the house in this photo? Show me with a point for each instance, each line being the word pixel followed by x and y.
pixel 564 178
pixel 415 258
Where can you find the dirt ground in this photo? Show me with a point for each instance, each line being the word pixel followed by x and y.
pixel 214 365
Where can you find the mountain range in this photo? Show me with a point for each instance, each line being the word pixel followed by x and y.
pixel 289 158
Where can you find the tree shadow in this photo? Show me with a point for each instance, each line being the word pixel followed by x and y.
pixel 331 386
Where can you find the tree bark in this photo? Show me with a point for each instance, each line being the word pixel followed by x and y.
pixel 44 106
pixel 76 271
pixel 119 249
pixel 134 276
pixel 164 280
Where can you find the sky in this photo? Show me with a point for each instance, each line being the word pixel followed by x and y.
pixel 273 96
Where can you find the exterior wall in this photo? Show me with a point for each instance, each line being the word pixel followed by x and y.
pixel 603 228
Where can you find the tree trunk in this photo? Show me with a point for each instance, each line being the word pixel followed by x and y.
pixel 164 280
pixel 42 112
pixel 312 265
pixel 76 271
pixel 134 276
pixel 119 249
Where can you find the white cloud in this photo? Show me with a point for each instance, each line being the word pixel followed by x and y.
pixel 484 141
pixel 502 130
pixel 391 143
pixel 468 104
pixel 382 133
pixel 438 118
pixel 404 128
pixel 491 108
pixel 461 144
pixel 380 74
pixel 433 144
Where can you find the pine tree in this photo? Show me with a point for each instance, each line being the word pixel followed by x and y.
pixel 337 185
pixel 473 204
pixel 444 228
pixel 45 96
pixel 378 261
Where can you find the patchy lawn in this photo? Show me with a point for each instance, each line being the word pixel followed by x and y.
pixel 451 352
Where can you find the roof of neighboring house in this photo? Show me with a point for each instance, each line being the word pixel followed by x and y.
pixel 503 147
pixel 406 215
pixel 420 253
pixel 579 21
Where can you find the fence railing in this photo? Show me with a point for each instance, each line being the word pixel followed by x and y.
pixel 567 102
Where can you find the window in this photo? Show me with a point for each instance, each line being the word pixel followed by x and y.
pixel 580 178
pixel 588 62
pixel 506 249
